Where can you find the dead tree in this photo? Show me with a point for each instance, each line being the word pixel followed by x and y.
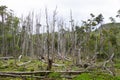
pixel 53 32
pixel 38 41
pixel 111 70
pixel 23 38
pixel 73 46
pixel 49 66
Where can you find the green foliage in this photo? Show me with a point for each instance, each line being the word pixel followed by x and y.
pixel 117 78
pixel 8 78
pixel 96 76
pixel 117 63
pixel 8 30
pixel 102 76
pixel 22 68
pixel 84 76
pixel 55 76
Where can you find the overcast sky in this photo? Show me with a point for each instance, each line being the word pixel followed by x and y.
pixel 80 8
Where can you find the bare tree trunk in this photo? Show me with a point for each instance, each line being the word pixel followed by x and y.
pixel 3 35
pixel 48 43
pixel 39 46
pixel 53 33
pixel 23 38
pixel 73 38
pixel 58 41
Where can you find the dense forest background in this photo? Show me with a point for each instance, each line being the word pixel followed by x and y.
pixel 22 36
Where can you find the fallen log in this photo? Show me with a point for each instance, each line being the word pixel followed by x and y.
pixel 25 63
pixel 31 76
pixel 54 64
pixel 9 75
pixel 57 65
pixel 45 72
pixel 20 76
pixel 6 58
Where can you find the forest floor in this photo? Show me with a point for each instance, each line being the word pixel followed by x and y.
pixel 35 69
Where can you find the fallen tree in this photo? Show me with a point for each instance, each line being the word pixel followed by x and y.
pixel 111 68
pixel 25 63
pixel 19 76
pixel 44 72
pixel 6 58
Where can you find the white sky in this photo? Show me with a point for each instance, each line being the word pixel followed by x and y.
pixel 80 8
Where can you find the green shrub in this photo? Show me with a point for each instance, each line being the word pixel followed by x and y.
pixel 117 65
pixel 84 76
pixel 55 75
pixel 95 76
pixel 21 68
pixel 117 78
pixel 102 76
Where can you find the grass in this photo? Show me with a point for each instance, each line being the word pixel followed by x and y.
pixel 96 76
pixel 37 65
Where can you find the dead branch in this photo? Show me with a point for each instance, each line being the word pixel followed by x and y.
pixel 19 75
pixel 58 65
pixel 19 58
pixel 25 63
pixel 9 75
pixel 6 58
pixel 111 71
pixel 110 59
pixel 43 72
pixel 53 64
pixel 61 57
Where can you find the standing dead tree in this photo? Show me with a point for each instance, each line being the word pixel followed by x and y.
pixel 73 45
pixel 49 66
pixel 61 41
pixel 38 39
pixel 53 32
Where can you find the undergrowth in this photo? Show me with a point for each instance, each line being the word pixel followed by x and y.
pixel 96 76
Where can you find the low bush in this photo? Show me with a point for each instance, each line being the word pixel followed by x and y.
pixel 96 76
